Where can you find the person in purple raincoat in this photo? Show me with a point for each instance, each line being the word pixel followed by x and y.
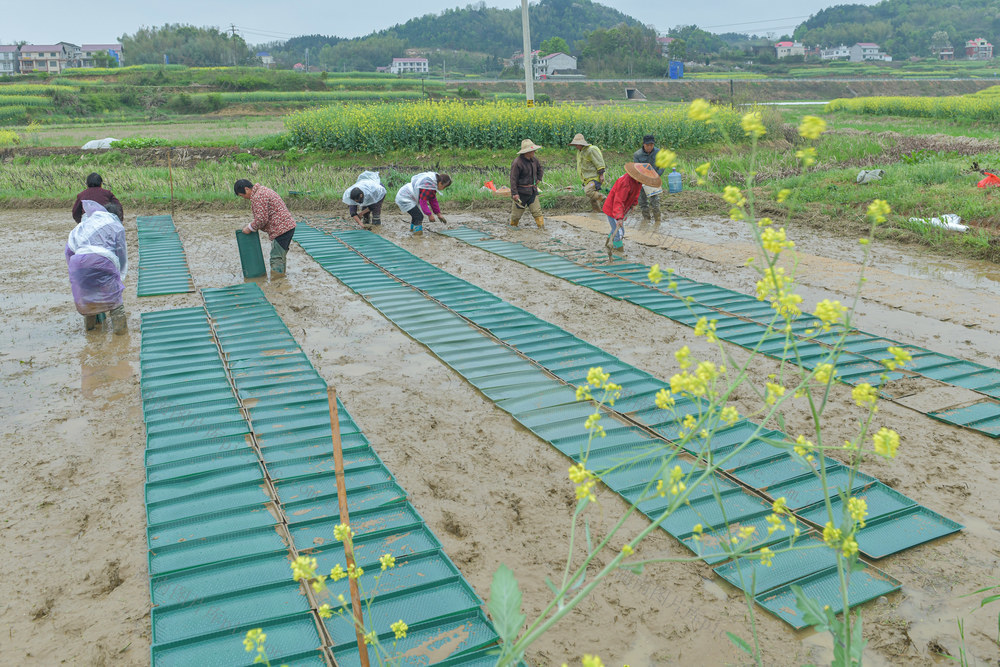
pixel 98 262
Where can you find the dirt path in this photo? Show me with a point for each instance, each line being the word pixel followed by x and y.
pixel 73 579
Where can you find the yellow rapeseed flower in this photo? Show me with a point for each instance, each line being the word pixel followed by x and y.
pixel 325 611
pixel 655 275
pixel 886 442
pixel 337 573
pixel 592 661
pixel 342 532
pixel 899 358
pixel 627 550
pixel 729 414
pixel 733 195
pixel 823 373
pixel 753 125
pixel 831 535
pixel 811 127
pixel 387 561
pixel 666 159
pixel 683 357
pixel 399 628
pixel 829 313
pixel 664 400
pixel 700 110
pixel 303 567
pixel 783 194
pixel 878 210
pixel 858 509
pixel 766 556
pixel 774 392
pixel 864 395
pixel 806 156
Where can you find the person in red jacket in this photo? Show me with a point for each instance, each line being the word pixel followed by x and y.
pixel 95 193
pixel 623 196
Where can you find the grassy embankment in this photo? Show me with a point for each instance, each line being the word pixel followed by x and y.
pixel 927 174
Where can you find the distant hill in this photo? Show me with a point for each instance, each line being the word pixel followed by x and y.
pixel 498 31
pixel 903 28
pixel 475 28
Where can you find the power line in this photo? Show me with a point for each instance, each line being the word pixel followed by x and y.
pixel 726 25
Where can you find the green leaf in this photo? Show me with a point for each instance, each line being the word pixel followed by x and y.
pixel 987 600
pixel 505 604
pixel 740 643
pixel 634 568
pixel 812 613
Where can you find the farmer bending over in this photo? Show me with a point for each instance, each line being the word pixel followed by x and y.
pixel 97 259
pixel 419 198
pixel 623 196
pixel 269 215
pixel 364 199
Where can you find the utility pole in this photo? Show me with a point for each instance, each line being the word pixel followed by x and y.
pixel 232 32
pixel 529 70
pixel 307 59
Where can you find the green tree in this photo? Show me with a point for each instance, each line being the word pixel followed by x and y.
pixel 185 45
pixel 553 45
pixel 677 49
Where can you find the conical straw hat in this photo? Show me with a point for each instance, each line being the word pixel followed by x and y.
pixel 644 174
pixel 578 140
pixel 527 146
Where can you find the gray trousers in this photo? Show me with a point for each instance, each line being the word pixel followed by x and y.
pixel 647 204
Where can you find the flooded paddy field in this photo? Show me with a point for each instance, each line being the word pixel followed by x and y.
pixel 73 576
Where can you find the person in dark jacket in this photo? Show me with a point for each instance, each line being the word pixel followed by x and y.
pixel 525 175
pixel 647 155
pixel 623 196
pixel 95 193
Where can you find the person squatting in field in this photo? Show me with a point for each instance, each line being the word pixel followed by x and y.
pixel 364 199
pixel 525 175
pixel 97 260
pixel 269 215
pixel 419 198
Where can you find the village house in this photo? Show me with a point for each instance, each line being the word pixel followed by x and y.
pixel 664 43
pixel 835 53
pixel 409 66
pixel 978 49
pixel 43 58
pixel 9 63
pixel 554 62
pixel 786 49
pixel 89 53
pixel 867 51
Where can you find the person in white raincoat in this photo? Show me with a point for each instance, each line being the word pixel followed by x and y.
pixel 364 199
pixel 97 259
pixel 419 198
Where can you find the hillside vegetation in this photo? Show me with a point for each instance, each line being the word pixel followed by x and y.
pixel 904 28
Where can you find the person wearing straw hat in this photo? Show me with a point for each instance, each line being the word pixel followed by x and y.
pixel 623 196
pixel 590 169
pixel 649 198
pixel 525 175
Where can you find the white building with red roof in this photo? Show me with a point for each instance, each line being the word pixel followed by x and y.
pixel 786 49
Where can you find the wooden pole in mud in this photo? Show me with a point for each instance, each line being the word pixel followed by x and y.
pixel 338 463
pixel 170 171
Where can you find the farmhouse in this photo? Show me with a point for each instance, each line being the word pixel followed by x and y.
pixel 9 63
pixel 409 66
pixel 867 51
pixel 786 49
pixel 978 49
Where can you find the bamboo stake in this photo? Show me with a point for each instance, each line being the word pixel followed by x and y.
pixel 338 462
pixel 170 171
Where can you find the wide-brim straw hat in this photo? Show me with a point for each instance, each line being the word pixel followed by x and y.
pixel 644 174
pixel 528 146
pixel 578 140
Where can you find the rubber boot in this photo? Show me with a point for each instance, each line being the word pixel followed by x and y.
pixel 514 223
pixel 119 323
pixel 656 215
pixel 540 221
pixel 376 222
pixel 90 322
pixel 418 230
pixel 645 216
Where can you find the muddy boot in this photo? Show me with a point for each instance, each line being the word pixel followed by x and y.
pixel 119 323
pixel 656 216
pixel 418 230
pixel 645 216
pixel 540 221
pixel 376 222
pixel 90 322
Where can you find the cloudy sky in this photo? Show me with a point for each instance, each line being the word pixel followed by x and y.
pixel 265 20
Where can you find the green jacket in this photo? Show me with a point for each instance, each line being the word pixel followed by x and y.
pixel 588 162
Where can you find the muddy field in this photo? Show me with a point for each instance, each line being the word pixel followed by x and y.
pixel 73 578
